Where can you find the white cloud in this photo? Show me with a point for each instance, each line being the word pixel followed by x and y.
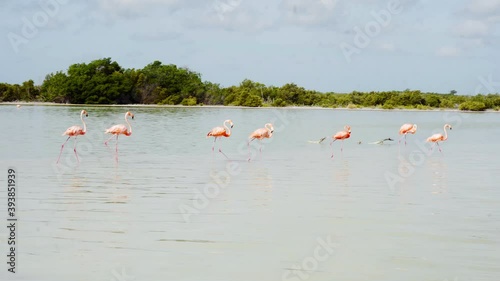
pixel 483 7
pixel 237 21
pixel 477 26
pixel 130 9
pixel 471 29
pixel 329 4
pixel 132 5
pixel 474 43
pixel 158 35
pixel 231 15
pixel 448 51
pixel 308 12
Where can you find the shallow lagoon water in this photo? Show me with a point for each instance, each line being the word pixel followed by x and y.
pixel 170 209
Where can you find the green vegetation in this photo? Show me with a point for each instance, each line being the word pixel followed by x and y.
pixel 104 81
pixel 472 105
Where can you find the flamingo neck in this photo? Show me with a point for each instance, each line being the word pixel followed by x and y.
pixel 445 133
pixel 228 130
pixel 267 127
pixel 129 126
pixel 84 125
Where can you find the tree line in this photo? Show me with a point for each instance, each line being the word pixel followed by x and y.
pixel 104 81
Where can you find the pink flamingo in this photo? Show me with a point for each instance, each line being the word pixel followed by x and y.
pixel 342 135
pixel 436 138
pixel 74 131
pixel 120 129
pixel 260 134
pixel 218 132
pixel 407 129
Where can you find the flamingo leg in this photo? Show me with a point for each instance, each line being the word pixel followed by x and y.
pixel 439 147
pixel 220 150
pixel 248 146
pixel 401 138
pixel 248 149
pixel 342 146
pixel 213 146
pixel 74 149
pixel 62 147
pixel 106 142
pixel 331 146
pixel 116 149
pixel 260 149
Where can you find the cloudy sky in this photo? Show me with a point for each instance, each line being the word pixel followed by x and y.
pixel 327 45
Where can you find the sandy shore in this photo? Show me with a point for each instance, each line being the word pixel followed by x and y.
pixel 234 107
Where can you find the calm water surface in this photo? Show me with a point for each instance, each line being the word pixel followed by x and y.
pixel 170 209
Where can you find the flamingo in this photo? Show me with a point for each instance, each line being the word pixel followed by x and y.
pixel 381 141
pixel 436 138
pixel 342 135
pixel 218 132
pixel 407 129
pixel 74 131
pixel 260 134
pixel 318 141
pixel 120 129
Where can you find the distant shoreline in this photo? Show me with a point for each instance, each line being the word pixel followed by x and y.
pixel 235 107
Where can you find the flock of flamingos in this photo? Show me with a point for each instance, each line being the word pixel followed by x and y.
pixel 225 131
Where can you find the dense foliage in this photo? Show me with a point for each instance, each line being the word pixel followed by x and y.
pixel 104 81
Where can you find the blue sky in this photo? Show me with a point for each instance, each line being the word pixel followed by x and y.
pixel 326 45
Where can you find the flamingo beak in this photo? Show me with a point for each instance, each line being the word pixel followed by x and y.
pixel 232 126
pixel 87 115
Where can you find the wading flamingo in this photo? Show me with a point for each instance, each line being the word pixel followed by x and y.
pixel 342 135
pixel 120 129
pixel 218 132
pixel 436 138
pixel 407 129
pixel 260 134
pixel 74 131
